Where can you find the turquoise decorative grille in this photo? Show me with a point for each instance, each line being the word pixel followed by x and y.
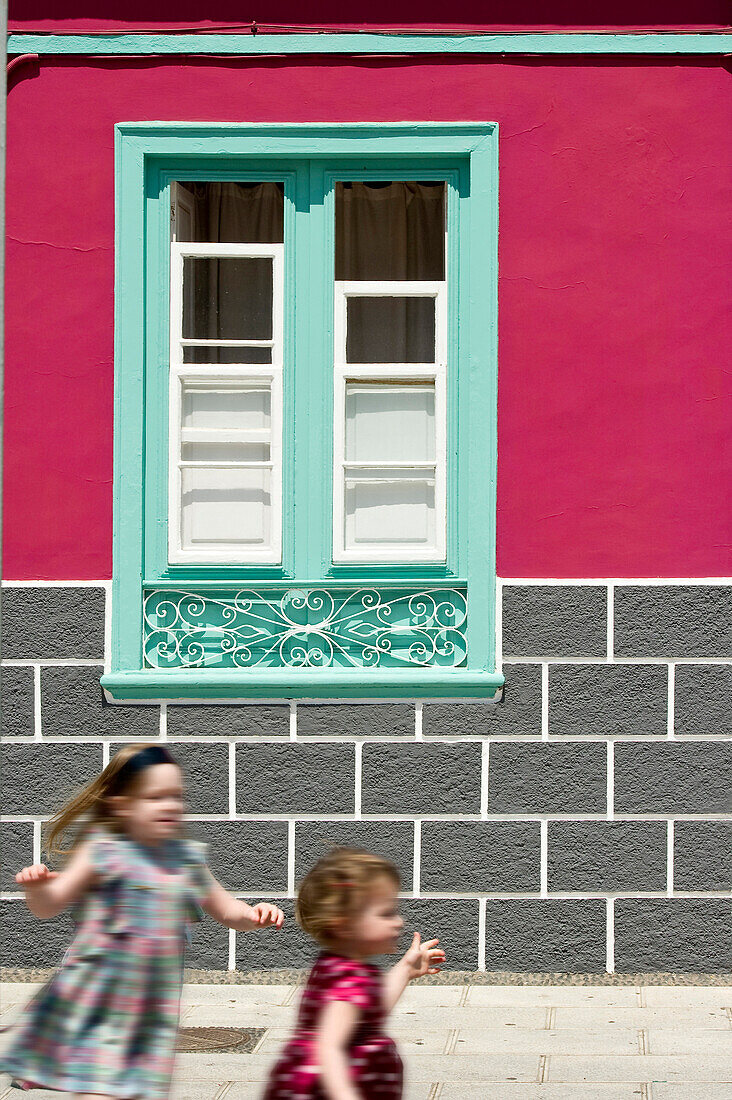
pixel 305 628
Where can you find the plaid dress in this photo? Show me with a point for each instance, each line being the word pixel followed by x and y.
pixel 106 1022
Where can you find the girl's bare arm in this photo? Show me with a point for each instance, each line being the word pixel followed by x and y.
pixel 235 913
pixel 336 1025
pixel 48 893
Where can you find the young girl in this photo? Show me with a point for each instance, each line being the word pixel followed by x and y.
pixel 348 903
pixel 105 1025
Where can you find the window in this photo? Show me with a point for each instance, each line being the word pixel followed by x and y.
pixel 306 447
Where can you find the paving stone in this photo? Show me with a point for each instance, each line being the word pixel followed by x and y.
pixel 545 935
pixel 606 855
pixel 47 623
pixel 679 1018
pixel 17 717
pixel 246 856
pixel 704 1043
pixel 224 720
pixel 27 942
pixel 703 855
pixel 72 705
pixel 480 855
pixel 554 620
pixel 547 778
pixel 16 851
pixel 454 1090
pixel 394 840
pixel 550 1043
pixel 295 778
pixel 420 778
pixel 639 1067
pixel 205 775
pixel 519 712
pixel 673 934
pixel 356 719
pixel 607 700
pixel 552 996
pixel 688 1091
pixel 705 998
pixel 673 621
pixel 673 778
pixel 39 778
pixel 703 700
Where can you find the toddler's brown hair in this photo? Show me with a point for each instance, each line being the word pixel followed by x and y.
pixel 334 890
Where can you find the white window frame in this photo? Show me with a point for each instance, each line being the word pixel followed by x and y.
pixel 345 373
pixel 246 373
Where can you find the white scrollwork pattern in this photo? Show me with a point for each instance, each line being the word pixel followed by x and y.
pixel 305 628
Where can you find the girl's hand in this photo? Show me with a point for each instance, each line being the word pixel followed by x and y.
pixel 35 875
pixel 422 958
pixel 268 915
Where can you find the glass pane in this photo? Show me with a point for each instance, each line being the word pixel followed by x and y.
pixel 384 507
pixel 221 507
pixel 228 212
pixel 235 407
pixel 388 422
pixel 390 330
pixel 229 298
pixel 225 452
pixel 227 355
pixel 390 230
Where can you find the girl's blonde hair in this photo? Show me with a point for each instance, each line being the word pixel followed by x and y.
pixel 90 806
pixel 334 891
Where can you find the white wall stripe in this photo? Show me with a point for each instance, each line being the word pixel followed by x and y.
pixel 37 841
pixel 108 626
pixel 293 720
pixel 539 659
pixel 232 949
pixel 105 753
pixel 424 817
pixel 554 895
pixel 481 933
pixel 458 739
pixel 499 625
pixel 610 935
pixel 291 859
pixel 484 777
pixel 545 701
pixel 544 858
pixel 418 721
pixel 610 621
pixel 232 779
pixel 670 858
pixel 416 868
pixel 629 582
pixel 37 720
pixel 163 721
pixel 610 780
pixel 670 711
pixel 359 767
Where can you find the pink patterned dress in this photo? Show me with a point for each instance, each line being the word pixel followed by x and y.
pixel 376 1068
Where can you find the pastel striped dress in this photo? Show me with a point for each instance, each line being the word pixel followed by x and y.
pixel 375 1065
pixel 107 1021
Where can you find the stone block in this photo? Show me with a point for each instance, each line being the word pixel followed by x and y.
pixel 205 775
pixel 394 840
pixel 547 778
pixel 246 856
pixel 46 623
pixel 518 713
pixel 545 935
pixel 420 778
pixel 209 946
pixel 607 855
pixel 673 934
pixel 703 700
pixel 17 715
pixel 356 719
pixel 295 778
pixel 608 700
pixel 673 620
pixel 454 923
pixel 72 705
pixel 673 778
pixel 16 851
pixel 39 778
pixel 228 720
pixel 554 620
pixel 703 855
pixel 490 856
pixel 273 949
pixel 28 942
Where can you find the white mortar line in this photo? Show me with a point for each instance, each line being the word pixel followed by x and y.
pixel 291 859
pixel 232 949
pixel 484 775
pixel 554 895
pixel 544 701
pixel 37 727
pixel 53 662
pixel 610 780
pixel 499 625
pixel 37 837
pixel 108 626
pixel 670 711
pixel 544 858
pixel 610 621
pixel 56 584
pixel 610 935
pixel 537 658
pixel 293 720
pixel 105 753
pixel 357 790
pixel 417 857
pixel 669 858
pixel 418 721
pixel 315 739
pixel 481 934
pixel 232 779
pixel 409 818
pixel 163 721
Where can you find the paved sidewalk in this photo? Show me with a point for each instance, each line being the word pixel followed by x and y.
pixel 484 1042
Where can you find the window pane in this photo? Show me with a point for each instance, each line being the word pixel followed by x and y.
pixel 227 212
pixel 229 298
pixel 226 355
pixel 225 452
pixel 390 230
pixel 390 330
pixel 384 507
pixel 235 408
pixel 388 422
pixel 221 507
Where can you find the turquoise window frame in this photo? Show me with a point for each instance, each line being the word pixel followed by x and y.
pixel 309 158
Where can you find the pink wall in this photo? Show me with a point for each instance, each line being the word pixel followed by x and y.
pixel 614 455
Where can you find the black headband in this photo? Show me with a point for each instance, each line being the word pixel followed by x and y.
pixel 145 758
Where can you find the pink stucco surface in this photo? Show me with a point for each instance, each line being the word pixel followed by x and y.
pixel 614 378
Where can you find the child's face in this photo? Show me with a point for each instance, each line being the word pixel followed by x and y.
pixel 375 931
pixel 153 810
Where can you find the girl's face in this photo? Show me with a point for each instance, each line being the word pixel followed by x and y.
pixel 153 810
pixel 375 931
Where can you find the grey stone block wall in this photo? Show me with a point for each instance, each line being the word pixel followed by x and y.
pixel 596 798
